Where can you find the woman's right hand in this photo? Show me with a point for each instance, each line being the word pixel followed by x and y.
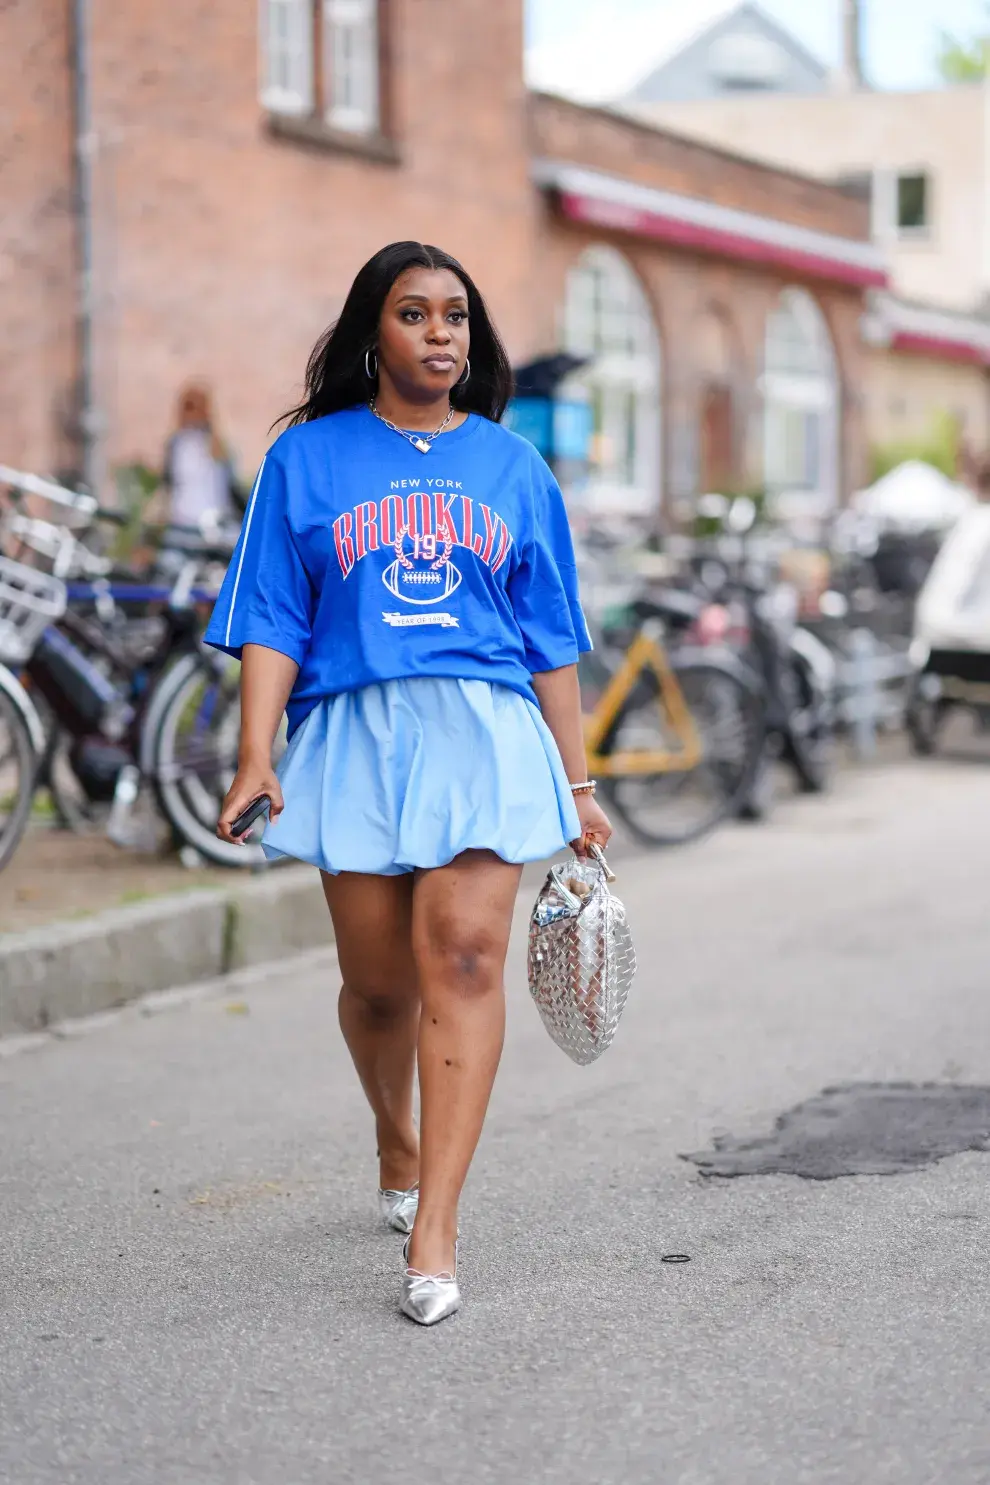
pixel 253 778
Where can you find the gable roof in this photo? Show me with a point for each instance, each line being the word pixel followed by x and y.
pixel 687 73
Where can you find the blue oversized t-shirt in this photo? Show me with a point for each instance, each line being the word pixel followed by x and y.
pixel 364 560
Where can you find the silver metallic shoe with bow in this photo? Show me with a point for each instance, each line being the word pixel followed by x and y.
pixel 428 1298
pixel 398 1208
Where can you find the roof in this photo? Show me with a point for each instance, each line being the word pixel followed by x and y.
pixel 768 58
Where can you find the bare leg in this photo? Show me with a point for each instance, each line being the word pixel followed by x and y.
pixel 462 914
pixel 379 1008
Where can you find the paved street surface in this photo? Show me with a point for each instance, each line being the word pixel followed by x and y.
pixel 194 1290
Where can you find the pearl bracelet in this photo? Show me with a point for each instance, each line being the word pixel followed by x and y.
pixel 588 787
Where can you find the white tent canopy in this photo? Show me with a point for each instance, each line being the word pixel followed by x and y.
pixel 914 497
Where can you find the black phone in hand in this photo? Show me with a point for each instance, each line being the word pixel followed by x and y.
pixel 247 817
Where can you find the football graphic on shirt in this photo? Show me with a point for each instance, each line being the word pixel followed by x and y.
pixel 422 571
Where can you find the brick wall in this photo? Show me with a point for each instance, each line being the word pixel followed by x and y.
pixel 226 251
pixel 222 248
pixel 37 283
pixel 565 131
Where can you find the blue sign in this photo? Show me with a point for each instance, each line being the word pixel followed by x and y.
pixel 531 418
pixel 572 429
pixel 560 430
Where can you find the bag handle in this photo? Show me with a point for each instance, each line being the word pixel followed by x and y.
pixel 595 850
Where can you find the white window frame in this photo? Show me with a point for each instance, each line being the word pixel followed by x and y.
pixel 351 25
pixel 810 393
pixel 886 204
pixel 286 39
pixel 916 234
pixel 615 374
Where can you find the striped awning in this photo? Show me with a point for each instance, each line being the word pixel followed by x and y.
pixel 924 330
pixel 609 201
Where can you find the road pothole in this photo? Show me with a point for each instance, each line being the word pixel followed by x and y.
pixel 860 1129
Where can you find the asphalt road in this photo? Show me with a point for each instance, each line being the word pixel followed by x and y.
pixel 194 1290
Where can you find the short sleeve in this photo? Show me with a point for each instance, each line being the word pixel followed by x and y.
pixel 543 589
pixel 266 597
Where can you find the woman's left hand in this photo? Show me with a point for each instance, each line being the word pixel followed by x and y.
pixel 595 825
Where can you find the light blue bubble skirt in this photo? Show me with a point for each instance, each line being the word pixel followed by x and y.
pixel 410 773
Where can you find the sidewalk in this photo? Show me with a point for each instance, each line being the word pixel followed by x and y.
pixel 57 876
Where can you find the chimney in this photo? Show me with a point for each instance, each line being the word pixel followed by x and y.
pixel 851 70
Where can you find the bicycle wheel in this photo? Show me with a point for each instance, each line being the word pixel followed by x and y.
pixel 195 758
pixel 18 775
pixel 809 742
pixel 667 809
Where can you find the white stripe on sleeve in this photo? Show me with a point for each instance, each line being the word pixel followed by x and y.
pixel 240 564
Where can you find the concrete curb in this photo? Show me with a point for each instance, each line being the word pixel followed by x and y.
pixel 65 970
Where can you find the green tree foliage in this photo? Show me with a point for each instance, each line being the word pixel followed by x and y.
pixel 937 445
pixel 963 61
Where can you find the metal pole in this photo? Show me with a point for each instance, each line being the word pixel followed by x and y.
pixel 986 170
pixel 852 54
pixel 85 150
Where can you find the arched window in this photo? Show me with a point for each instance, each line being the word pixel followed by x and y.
pixel 608 320
pixel 801 404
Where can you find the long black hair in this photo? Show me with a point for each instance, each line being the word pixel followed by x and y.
pixel 336 377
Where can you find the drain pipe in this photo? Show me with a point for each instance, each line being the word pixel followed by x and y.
pixel 84 152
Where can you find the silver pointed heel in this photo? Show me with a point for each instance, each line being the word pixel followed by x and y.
pixel 398 1208
pixel 428 1298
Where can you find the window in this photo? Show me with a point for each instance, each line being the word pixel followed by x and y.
pixel 608 320
pixel 350 36
pixel 287 55
pixel 912 203
pixel 320 59
pixel 793 448
pixel 902 204
pixel 801 404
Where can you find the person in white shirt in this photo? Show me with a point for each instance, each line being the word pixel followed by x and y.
pixel 198 474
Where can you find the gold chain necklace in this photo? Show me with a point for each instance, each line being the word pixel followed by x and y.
pixel 421 441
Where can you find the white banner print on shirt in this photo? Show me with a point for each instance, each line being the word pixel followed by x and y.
pixel 404 621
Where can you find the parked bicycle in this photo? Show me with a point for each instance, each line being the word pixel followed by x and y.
pixel 134 704
pixel 29 601
pixel 757 613
pixel 675 731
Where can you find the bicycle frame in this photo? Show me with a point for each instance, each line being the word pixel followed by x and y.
pixel 645 653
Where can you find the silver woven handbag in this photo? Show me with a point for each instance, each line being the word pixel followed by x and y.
pixel 581 957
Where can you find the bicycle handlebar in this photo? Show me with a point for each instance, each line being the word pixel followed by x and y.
pixel 32 484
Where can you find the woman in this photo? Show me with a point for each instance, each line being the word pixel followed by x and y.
pixel 404 586
pixel 198 473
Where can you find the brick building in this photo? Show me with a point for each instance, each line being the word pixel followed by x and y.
pixel 246 159
pixel 922 162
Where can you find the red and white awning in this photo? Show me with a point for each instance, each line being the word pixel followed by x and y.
pixel 920 330
pixel 685 221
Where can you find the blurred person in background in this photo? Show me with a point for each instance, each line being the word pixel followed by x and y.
pixel 198 472
pixel 404 585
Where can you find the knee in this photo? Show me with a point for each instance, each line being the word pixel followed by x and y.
pixel 380 1000
pixel 461 959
